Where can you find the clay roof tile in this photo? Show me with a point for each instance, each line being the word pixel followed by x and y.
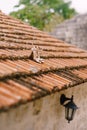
pixel 22 79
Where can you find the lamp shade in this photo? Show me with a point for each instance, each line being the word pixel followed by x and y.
pixel 70 109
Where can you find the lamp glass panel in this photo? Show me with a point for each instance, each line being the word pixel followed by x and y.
pixel 69 113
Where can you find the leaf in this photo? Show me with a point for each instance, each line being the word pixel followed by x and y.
pixel 42 13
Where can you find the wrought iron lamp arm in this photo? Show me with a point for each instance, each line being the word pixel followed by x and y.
pixel 63 99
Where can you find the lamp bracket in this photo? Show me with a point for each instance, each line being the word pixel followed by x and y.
pixel 63 98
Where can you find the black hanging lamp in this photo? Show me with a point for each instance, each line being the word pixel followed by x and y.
pixel 70 107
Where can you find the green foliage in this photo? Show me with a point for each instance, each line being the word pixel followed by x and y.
pixel 42 13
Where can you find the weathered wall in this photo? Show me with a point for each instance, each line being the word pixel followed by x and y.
pixel 73 31
pixel 47 113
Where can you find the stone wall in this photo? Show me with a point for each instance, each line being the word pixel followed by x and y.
pixel 47 113
pixel 73 31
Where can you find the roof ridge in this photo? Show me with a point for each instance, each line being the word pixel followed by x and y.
pixel 36 72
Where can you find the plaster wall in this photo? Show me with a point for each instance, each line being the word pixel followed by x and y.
pixel 47 113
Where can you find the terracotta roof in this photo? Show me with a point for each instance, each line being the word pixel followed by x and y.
pixel 23 79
